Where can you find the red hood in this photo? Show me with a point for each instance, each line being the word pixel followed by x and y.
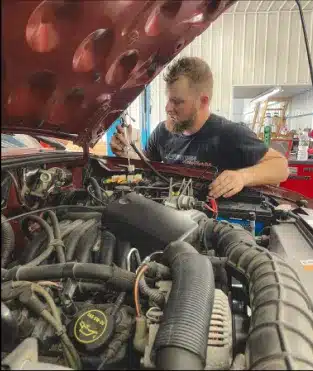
pixel 70 68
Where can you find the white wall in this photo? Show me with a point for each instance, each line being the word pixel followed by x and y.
pixel 238 110
pixel 300 115
pixel 246 49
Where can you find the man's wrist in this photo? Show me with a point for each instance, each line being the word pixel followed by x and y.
pixel 247 175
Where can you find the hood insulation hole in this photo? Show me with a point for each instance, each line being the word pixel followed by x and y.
pixel 93 50
pixel 122 68
pixel 41 34
pixel 162 18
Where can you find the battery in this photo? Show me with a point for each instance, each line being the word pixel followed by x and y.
pixel 240 213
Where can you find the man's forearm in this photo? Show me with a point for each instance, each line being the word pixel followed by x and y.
pixel 270 172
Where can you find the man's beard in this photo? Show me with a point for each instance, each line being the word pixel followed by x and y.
pixel 179 127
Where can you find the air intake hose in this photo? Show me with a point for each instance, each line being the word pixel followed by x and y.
pixel 117 277
pixel 181 342
pixel 281 328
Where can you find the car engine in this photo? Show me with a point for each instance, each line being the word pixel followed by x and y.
pixel 133 271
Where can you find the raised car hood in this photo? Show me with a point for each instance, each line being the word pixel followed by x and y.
pixel 70 68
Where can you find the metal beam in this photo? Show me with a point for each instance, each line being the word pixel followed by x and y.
pixel 282 5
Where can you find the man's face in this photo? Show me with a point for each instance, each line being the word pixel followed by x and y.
pixel 182 106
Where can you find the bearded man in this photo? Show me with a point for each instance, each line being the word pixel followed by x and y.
pixel 193 135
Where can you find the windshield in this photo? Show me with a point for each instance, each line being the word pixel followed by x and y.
pixel 10 141
pixel 18 141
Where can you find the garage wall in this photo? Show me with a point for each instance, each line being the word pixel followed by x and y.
pixel 246 48
pixel 300 115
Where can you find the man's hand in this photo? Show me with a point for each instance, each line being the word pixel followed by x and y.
pixel 227 184
pixel 119 143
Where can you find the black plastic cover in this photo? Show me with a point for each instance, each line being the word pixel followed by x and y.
pixel 148 225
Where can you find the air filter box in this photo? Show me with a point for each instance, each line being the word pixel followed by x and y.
pixel 148 225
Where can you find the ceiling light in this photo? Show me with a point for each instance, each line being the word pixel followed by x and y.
pixel 266 95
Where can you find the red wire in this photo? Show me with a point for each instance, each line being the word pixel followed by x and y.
pixel 214 207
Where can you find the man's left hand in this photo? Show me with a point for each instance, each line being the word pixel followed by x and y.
pixel 227 184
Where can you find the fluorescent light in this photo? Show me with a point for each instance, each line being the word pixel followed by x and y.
pixel 266 95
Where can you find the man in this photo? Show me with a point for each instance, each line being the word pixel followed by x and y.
pixel 193 135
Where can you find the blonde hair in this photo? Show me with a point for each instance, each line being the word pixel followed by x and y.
pixel 196 70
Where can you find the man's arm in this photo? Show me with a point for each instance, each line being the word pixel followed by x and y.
pixel 121 147
pixel 271 169
pixel 249 161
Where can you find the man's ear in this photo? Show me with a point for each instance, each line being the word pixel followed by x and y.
pixel 204 99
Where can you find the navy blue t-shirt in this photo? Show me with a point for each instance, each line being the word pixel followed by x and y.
pixel 220 142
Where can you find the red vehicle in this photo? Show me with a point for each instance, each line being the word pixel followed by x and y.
pixel 111 265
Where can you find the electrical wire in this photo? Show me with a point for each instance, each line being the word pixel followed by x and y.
pixel 206 171
pixel 18 192
pixel 105 193
pixel 155 171
pixel 54 320
pixel 305 35
pixel 141 271
pixel 57 207
pixel 94 197
pixel 213 208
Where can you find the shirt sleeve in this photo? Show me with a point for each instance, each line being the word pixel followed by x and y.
pixel 152 151
pixel 241 147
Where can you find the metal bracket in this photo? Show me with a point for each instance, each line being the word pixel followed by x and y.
pixel 86 152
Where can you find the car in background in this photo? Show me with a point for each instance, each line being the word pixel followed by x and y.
pixel 9 141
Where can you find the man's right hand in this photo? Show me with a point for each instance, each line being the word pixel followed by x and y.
pixel 119 143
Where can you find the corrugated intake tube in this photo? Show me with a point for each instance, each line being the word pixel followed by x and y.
pixel 7 241
pixel 113 275
pixel 281 328
pixel 181 342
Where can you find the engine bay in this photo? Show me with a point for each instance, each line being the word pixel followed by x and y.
pixel 141 270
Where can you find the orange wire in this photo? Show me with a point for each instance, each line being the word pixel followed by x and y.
pixel 142 270
pixel 209 208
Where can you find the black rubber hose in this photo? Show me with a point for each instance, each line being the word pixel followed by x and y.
pixel 182 338
pixel 107 247
pixel 50 248
pixel 57 235
pixel 33 247
pixel 83 215
pixel 7 241
pixel 281 328
pixel 9 326
pixel 86 243
pixel 36 241
pixel 96 187
pixel 118 278
pixel 75 236
pixel 155 295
